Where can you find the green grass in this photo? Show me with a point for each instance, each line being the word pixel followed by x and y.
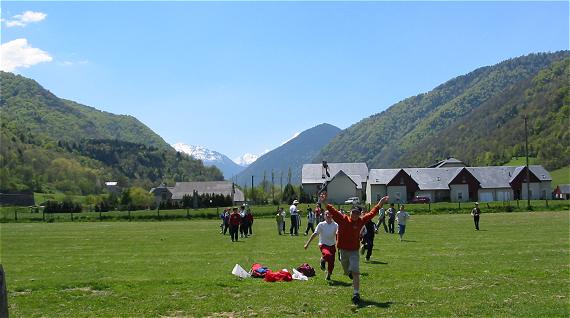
pixel 517 265
pixel 560 176
pixel 521 161
pixel 23 214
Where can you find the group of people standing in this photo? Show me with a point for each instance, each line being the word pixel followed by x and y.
pixel 237 221
pixel 313 217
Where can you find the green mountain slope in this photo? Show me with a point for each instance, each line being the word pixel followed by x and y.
pixel 392 138
pixel 494 132
pixel 26 107
pixel 52 145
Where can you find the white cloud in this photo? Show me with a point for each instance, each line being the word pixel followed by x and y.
pixel 21 20
pixel 19 54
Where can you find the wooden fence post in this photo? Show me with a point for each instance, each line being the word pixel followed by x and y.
pixel 15 214
pixel 3 294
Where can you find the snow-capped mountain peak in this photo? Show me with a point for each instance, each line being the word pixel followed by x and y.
pixel 246 159
pixel 210 158
pixel 198 152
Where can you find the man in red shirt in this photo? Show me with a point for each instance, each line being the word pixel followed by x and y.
pixel 348 239
pixel 235 220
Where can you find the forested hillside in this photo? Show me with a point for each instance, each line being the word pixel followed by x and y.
pixel 423 129
pixel 495 132
pixel 28 108
pixel 52 145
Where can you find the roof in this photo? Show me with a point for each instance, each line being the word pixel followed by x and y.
pixel 312 173
pixel 449 161
pixel 382 176
pixel 217 187
pixel 433 178
pixel 494 176
pixel 540 173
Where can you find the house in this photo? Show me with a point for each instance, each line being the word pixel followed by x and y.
pixel 113 187
pixel 562 191
pixel 458 184
pixel 448 163
pixel 176 193
pixel 345 180
pixel 162 193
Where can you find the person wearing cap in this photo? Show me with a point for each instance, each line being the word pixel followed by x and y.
pixel 235 220
pixel 294 229
pixel 348 239
pixel 391 218
pixel 476 212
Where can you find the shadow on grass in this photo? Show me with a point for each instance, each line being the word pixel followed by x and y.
pixel 372 303
pixel 411 241
pixel 338 283
pixel 377 262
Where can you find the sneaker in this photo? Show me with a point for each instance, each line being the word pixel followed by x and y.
pixel 322 264
pixel 368 259
pixel 356 299
pixel 328 276
pixel 362 250
pixel 350 275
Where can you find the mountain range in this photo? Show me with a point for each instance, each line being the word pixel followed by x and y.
pixel 50 144
pixel 288 158
pixel 477 117
pixel 211 158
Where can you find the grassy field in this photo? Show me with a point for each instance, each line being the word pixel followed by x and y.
pixel 560 176
pixel 517 265
pixel 23 214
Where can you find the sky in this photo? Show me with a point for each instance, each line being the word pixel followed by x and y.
pixel 244 77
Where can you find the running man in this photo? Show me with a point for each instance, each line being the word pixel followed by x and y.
pixel 348 239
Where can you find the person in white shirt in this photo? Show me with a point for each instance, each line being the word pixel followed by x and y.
pixel 326 231
pixel 402 217
pixel 294 229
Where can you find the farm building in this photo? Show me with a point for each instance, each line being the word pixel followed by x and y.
pixel 176 193
pixel 346 180
pixel 562 191
pixel 458 184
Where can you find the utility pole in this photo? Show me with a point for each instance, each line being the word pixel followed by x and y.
pixel 252 192
pixel 527 167
pixel 281 187
pixel 272 186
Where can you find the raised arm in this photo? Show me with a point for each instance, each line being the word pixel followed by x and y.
pixel 335 214
pixel 370 215
pixel 310 239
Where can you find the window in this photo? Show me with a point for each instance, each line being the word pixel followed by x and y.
pixel 460 196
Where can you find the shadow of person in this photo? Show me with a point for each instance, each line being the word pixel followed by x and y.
pixel 338 283
pixel 411 241
pixel 372 303
pixel 377 262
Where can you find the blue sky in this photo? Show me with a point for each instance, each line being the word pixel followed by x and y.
pixel 243 77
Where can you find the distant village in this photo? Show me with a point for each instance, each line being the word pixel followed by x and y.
pixel 449 180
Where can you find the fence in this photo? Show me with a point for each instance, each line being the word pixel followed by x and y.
pixel 25 214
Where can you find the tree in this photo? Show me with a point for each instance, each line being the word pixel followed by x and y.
pixel 289 194
pixel 140 198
